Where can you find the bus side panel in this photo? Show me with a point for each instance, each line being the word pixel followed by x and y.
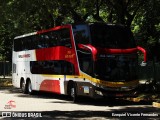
pixel 19 71
pixel 14 69
pixel 62 90
pixel 50 86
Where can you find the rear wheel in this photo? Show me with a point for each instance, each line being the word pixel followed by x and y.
pixel 29 87
pixel 23 87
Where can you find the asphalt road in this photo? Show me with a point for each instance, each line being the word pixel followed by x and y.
pixel 51 106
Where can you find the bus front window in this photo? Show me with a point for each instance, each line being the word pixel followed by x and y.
pixel 81 34
pixel 111 36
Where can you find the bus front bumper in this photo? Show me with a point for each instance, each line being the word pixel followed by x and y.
pixel 87 89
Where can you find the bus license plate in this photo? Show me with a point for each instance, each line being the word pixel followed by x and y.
pixel 86 89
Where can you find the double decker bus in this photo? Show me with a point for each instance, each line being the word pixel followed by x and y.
pixel 95 60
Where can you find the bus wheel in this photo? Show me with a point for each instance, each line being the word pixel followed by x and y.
pixel 23 87
pixel 29 87
pixel 73 93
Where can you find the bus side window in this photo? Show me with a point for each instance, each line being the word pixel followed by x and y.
pixel 41 41
pixel 67 68
pixel 52 39
pixel 18 44
pixel 59 67
pixel 30 45
pixel 34 42
pixel 26 43
pixel 64 37
pixel 14 68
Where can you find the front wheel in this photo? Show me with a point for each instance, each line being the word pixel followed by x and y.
pixel 73 93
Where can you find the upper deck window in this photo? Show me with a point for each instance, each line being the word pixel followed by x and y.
pixel 53 38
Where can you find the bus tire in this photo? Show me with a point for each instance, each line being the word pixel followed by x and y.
pixel 23 87
pixel 29 87
pixel 73 92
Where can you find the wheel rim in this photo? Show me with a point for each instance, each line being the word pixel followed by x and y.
pixel 29 87
pixel 72 92
pixel 23 86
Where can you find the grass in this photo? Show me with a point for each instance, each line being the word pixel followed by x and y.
pixel 149 97
pixel 5 82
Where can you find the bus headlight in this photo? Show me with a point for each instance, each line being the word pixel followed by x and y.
pixel 98 92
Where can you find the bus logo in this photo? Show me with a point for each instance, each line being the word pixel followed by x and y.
pixel 6 114
pixel 24 56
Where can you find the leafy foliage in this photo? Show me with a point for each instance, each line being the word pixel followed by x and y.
pixel 24 16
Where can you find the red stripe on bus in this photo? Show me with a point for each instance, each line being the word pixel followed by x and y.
pixel 55 28
pixel 58 53
pixel 50 86
pixel 55 53
pixel 121 51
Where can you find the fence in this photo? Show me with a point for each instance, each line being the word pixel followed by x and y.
pixel 5 68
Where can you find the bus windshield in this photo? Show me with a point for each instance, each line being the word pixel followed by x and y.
pixel 116 67
pixel 81 34
pixel 104 36
pixel 111 36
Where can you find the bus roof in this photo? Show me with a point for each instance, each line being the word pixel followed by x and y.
pixel 58 27
pixel 41 31
pixel 26 35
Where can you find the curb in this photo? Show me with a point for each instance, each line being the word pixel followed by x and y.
pixel 156 104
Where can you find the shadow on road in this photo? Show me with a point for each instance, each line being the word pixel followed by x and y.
pixel 128 109
pixel 82 101
pixel 137 113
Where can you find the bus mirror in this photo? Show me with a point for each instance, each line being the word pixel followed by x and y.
pixel 84 47
pixel 80 46
pixel 143 64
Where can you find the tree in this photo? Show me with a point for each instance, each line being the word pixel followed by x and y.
pixel 124 11
pixel 148 27
pixel 24 16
